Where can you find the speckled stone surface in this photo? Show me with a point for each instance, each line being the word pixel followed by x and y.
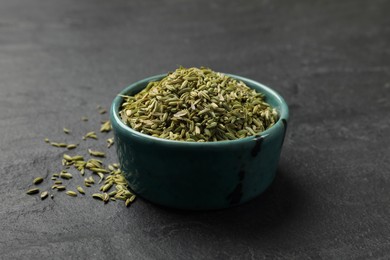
pixel 329 59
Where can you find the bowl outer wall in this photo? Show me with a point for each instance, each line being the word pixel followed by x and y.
pixel 198 176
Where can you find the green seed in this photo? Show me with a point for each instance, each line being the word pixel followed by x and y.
pixel 58 182
pixel 44 195
pixel 99 170
pixel 106 197
pixel 106 187
pixel 32 191
pixel 96 153
pixel 84 118
pixel 132 198
pixel 61 188
pixel 47 140
pixel 66 130
pixel 110 142
pixel 91 180
pixel 77 158
pixel 67 157
pixel 98 196
pixel 91 135
pixel 66 175
pixel 106 127
pixel 71 146
pixel 112 193
pixel 80 190
pixel 38 180
pixel 71 193
pixel 101 175
pixel 127 202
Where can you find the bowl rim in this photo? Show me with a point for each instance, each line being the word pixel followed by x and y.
pixel 114 115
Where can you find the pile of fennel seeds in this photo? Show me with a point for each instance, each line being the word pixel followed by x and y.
pixel 90 173
pixel 198 105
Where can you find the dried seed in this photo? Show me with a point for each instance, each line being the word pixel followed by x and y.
pixel 91 135
pixel 101 175
pixel 98 196
pixel 66 175
pixel 99 170
pixel 84 118
pixel 32 191
pixel 66 130
pixel 38 180
pixel 47 140
pixel 106 198
pixel 112 193
pixel 127 202
pixel 102 111
pixel 106 127
pixel 132 198
pixel 96 153
pixel 106 187
pixel 80 190
pixel 71 193
pixel 67 157
pixel 110 142
pixel 78 158
pixel 71 146
pixel 44 195
pixel 61 188
pixel 111 167
pixel 91 180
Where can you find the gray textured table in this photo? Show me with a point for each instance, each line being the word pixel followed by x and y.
pixel 329 59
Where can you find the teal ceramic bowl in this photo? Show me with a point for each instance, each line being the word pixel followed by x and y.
pixel 199 176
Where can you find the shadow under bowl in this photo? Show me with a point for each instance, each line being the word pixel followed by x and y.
pixel 199 176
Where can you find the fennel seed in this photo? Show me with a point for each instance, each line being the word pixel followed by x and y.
pixel 71 193
pixel 44 195
pixel 32 191
pixel 38 180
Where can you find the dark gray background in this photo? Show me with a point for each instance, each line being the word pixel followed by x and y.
pixel 329 59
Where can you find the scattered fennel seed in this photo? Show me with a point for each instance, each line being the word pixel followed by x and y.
pixel 71 193
pixel 32 191
pixel 44 195
pixel 105 127
pixel 96 153
pixel 38 180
